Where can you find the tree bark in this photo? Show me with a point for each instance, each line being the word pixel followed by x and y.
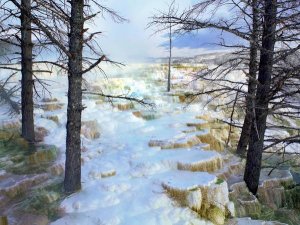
pixel 27 73
pixel 258 127
pixel 72 180
pixel 245 134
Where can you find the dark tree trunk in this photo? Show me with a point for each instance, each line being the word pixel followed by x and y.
pixel 170 58
pixel 258 127
pixel 27 81
pixel 245 134
pixel 72 180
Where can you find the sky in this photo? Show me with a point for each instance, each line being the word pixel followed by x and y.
pixel 132 41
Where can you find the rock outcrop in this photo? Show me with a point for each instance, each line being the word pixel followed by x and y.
pixel 201 192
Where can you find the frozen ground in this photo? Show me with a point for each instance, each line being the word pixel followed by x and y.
pixel 122 176
pixel 134 195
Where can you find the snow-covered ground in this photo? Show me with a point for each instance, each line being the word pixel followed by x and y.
pixel 134 195
pixel 122 174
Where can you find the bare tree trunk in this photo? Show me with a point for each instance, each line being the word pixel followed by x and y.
pixel 170 58
pixel 245 134
pixel 27 81
pixel 258 127
pixel 72 180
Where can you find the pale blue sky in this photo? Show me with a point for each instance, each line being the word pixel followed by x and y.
pixel 131 41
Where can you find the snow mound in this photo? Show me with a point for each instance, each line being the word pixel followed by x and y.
pixel 200 191
pixel 184 180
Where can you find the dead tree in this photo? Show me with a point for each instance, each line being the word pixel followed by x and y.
pixel 278 87
pixel 17 32
pixel 170 59
pixel 26 46
pixel 258 127
pixel 171 9
pixel 247 26
pixel 276 92
pixel 250 103
pixel 72 180
pixel 27 73
pixel 63 26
